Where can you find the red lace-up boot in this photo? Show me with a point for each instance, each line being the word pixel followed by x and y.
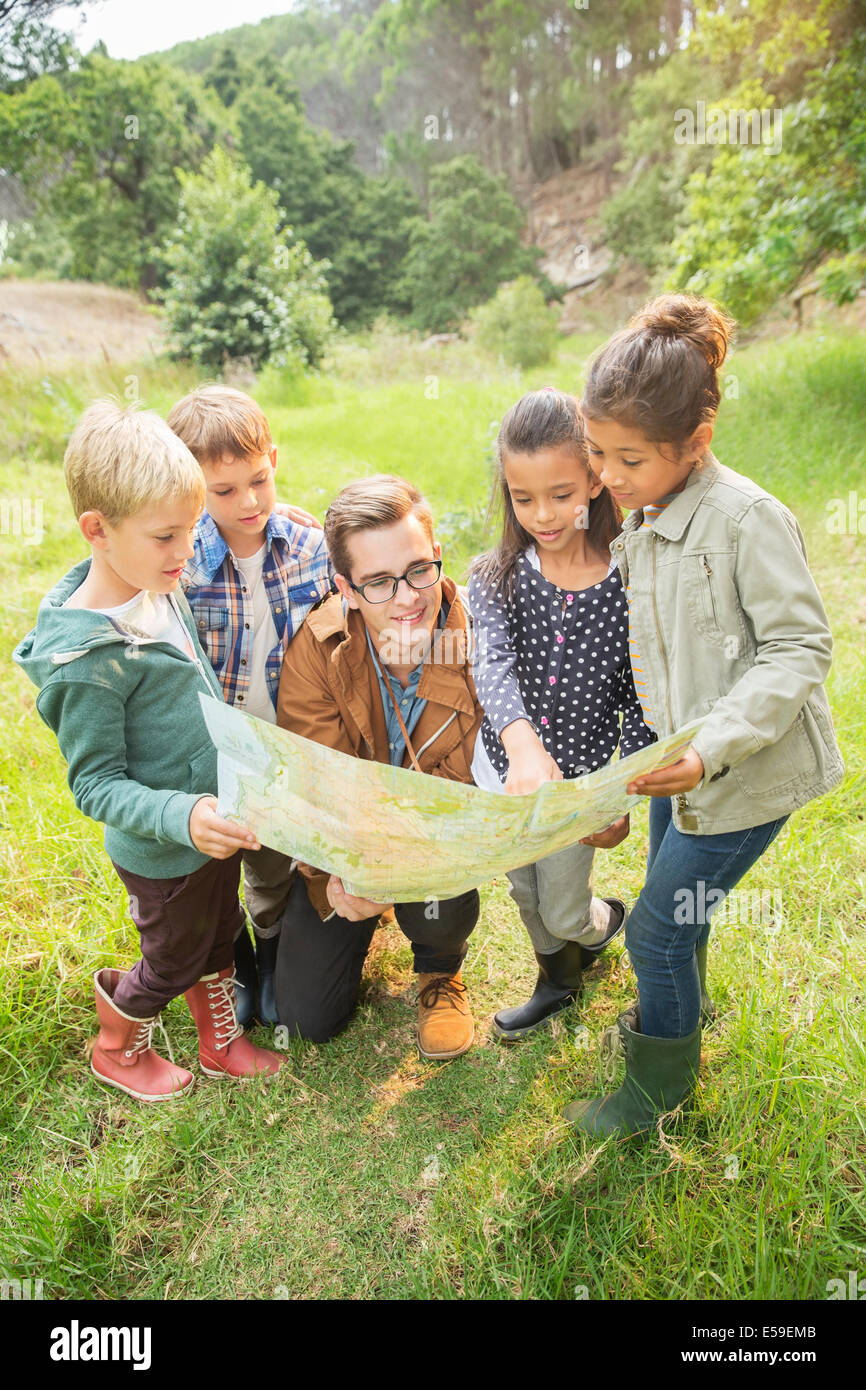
pixel 122 1055
pixel 223 1050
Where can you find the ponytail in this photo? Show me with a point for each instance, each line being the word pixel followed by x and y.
pixel 660 373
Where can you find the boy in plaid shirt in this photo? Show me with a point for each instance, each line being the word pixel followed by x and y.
pixel 256 573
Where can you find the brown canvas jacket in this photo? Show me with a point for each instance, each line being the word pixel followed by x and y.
pixel 329 692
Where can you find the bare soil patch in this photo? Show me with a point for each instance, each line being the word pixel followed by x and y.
pixel 53 321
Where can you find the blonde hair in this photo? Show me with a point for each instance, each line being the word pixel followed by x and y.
pixel 368 505
pixel 120 459
pixel 216 420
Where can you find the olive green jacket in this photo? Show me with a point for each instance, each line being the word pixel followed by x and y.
pixel 729 625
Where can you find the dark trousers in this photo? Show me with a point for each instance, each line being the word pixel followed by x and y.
pixel 187 927
pixel 319 964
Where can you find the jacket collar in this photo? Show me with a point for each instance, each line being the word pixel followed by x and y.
pixel 63 635
pixel 444 678
pixel 672 522
pixel 212 547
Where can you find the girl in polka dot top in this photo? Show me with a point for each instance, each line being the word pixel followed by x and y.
pixel 553 675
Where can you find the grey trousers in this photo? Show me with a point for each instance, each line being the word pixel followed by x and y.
pixel 268 876
pixel 554 896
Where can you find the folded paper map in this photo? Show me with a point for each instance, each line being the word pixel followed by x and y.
pixel 396 835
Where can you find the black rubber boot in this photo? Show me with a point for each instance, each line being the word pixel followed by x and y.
pixel 660 1074
pixel 620 914
pixel 559 983
pixel 246 978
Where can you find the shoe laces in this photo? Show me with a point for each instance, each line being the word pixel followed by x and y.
pixel 441 985
pixel 221 1002
pixel 143 1035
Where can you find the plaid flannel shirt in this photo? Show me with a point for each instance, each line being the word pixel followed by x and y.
pixel 296 574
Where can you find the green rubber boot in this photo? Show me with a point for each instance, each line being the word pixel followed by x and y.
pixel 708 1008
pixel 660 1073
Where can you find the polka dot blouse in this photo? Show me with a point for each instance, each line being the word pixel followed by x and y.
pixel 559 658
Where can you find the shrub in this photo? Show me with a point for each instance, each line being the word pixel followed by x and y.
pixel 237 286
pixel 517 325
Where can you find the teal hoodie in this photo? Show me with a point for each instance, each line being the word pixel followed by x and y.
pixel 128 720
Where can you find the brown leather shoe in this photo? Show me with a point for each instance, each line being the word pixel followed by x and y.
pixel 445 1027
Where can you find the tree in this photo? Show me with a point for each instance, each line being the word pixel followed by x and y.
pixel 238 286
pixel 14 12
pixel 228 75
pixel 29 45
pixel 529 85
pixel 467 248
pixel 755 222
pixel 640 218
pixel 98 149
pixel 30 50
pixel 358 224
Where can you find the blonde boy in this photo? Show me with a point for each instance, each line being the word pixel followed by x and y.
pixel 256 572
pixel 119 671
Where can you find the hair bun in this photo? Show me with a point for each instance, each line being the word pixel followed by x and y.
pixel 692 319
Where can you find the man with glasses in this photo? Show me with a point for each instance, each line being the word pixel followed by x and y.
pixel 380 670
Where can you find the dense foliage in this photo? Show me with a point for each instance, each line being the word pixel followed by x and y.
pixel 401 139
pixel 467 245
pixel 98 149
pixel 238 287
pixel 772 186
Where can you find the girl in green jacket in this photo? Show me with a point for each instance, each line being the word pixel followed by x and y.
pixel 725 625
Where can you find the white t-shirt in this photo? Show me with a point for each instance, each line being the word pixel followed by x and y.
pixel 258 697
pixel 152 615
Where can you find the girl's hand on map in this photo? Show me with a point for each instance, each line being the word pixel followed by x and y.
pixel 613 834
pixel 529 763
pixel 214 835
pixel 681 776
pixel 352 908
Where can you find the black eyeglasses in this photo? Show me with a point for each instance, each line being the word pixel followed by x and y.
pixel 420 576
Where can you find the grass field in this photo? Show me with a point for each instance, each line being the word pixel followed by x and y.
pixel 363 1172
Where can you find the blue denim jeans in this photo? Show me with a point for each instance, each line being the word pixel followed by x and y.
pixel 672 914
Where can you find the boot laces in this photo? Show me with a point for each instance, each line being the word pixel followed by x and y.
pixel 439 985
pixel 221 1001
pixel 141 1040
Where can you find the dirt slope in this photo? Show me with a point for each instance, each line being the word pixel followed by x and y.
pixel 50 322
pixel 563 218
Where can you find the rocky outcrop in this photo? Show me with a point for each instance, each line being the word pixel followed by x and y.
pixel 564 219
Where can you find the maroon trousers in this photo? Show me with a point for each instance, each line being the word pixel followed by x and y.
pixel 187 928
